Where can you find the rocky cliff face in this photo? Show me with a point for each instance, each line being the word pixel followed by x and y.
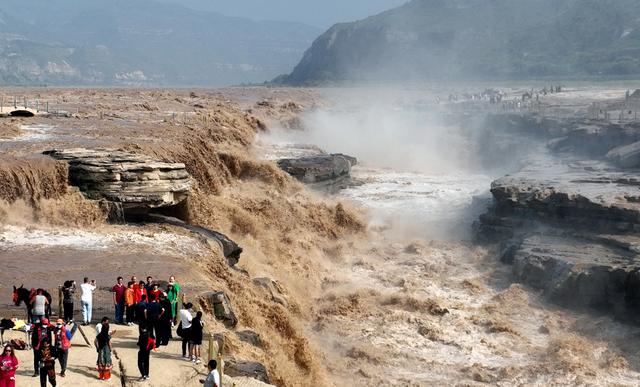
pixel 427 39
pixel 568 221
pixel 134 181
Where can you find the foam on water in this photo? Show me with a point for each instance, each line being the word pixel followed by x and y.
pixel 34 132
pixel 421 200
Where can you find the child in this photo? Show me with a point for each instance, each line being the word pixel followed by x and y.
pixel 213 379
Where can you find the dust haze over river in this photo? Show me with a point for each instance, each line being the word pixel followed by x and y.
pixel 418 303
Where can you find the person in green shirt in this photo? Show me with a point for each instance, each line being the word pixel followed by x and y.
pixel 172 294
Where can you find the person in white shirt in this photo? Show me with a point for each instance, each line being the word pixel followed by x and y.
pixel 213 379
pixel 40 306
pixel 86 299
pixel 185 326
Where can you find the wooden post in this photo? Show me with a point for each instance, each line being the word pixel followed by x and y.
pixel 86 340
pixel 219 359
pixel 213 348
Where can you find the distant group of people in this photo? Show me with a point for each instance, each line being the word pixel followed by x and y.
pixel 153 309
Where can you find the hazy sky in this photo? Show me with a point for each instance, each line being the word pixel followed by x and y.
pixel 320 13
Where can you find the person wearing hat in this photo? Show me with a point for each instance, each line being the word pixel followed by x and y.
pixel 41 334
pixel 63 343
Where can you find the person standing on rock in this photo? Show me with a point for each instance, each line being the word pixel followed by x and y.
pixel 86 299
pixel 8 366
pixel 118 300
pixel 195 338
pixel 185 327
pixel 68 290
pixel 172 294
pixel 103 346
pixel 146 343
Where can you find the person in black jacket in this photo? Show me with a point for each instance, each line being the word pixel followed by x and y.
pixel 152 315
pixel 146 344
pixel 42 332
pixel 68 289
pixel 163 331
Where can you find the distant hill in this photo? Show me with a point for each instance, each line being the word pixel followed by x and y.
pixel 473 39
pixel 140 42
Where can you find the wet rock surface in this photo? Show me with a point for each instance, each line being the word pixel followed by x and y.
pixel 321 171
pixel 238 368
pixel 132 180
pixel 230 249
pixel 568 219
pixel 219 304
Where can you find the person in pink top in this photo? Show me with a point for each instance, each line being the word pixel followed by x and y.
pixel 8 367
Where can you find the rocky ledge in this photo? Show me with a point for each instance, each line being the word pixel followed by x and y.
pixel 569 220
pixel 136 182
pixel 331 171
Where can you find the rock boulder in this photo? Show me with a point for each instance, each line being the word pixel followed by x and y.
pixel 320 171
pixel 132 180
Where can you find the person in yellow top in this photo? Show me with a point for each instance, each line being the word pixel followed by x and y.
pixel 129 303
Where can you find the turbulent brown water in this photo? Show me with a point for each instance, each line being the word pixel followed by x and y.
pixel 371 293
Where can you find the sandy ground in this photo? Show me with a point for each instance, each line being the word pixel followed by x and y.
pixel 167 368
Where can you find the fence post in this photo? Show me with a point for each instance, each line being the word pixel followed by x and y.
pixel 212 353
pixel 219 359
pixel 60 311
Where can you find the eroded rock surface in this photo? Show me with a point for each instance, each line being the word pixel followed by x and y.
pixel 320 171
pixel 568 220
pixel 135 181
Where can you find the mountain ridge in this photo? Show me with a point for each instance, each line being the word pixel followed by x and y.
pixel 466 39
pixel 140 43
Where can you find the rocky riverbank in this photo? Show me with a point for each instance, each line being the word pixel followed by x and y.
pixel 568 219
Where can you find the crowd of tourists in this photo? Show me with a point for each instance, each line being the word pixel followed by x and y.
pixel 154 310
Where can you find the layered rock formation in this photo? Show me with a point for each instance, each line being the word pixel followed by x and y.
pixel 136 182
pixel 568 220
pixel 332 171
